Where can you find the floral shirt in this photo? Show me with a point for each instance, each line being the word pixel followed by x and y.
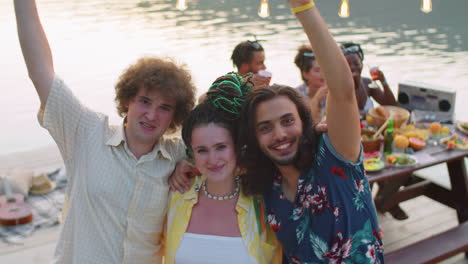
pixel 333 218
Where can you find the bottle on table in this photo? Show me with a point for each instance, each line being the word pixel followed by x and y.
pixel 388 138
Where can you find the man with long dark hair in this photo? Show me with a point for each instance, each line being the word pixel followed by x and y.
pixel 316 194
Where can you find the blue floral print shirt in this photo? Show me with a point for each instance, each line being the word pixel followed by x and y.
pixel 333 218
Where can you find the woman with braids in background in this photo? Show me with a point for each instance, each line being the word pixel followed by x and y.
pixel 215 222
pixel 355 56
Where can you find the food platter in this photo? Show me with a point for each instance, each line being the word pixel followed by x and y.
pixel 374 164
pixel 456 141
pixel 401 160
pixel 463 127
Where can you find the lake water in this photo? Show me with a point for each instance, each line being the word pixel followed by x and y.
pixel 93 41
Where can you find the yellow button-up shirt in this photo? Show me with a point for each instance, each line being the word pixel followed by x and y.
pixel 262 247
pixel 116 202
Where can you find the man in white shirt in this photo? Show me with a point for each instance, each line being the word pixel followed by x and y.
pixel 117 191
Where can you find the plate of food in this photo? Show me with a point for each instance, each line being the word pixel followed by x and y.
pixel 374 164
pixel 401 160
pixel 456 141
pixel 438 131
pixel 463 127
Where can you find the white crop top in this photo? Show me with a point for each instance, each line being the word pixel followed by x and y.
pixel 208 249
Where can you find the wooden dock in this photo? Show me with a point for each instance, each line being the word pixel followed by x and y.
pixel 426 217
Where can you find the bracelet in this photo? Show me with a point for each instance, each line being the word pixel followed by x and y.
pixel 301 8
pixel 384 82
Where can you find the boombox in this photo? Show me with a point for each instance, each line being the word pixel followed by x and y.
pixel 421 96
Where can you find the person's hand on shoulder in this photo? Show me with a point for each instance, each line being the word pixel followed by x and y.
pixel 321 127
pixel 181 178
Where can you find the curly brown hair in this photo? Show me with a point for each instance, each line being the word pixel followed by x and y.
pixel 259 169
pixel 161 75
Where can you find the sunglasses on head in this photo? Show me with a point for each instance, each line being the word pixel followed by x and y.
pixel 306 63
pixel 254 44
pixel 353 49
pixel 309 55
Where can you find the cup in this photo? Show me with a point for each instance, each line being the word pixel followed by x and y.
pixel 265 74
pixel 374 72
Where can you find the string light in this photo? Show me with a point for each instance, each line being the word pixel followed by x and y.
pixel 181 5
pixel 344 9
pixel 264 9
pixel 426 6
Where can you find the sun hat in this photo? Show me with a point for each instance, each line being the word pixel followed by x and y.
pixel 41 184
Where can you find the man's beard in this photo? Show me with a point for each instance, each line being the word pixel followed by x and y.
pixel 286 162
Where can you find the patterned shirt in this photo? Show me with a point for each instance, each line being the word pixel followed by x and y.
pixel 116 202
pixel 263 247
pixel 333 218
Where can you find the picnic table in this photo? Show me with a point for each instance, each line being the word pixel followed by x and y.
pixel 453 241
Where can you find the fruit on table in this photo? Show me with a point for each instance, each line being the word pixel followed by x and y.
pixel 391 159
pixel 401 159
pixel 410 131
pixel 451 144
pixel 401 141
pixel 445 130
pixel 416 143
pixel 373 164
pixel 435 127
pixel 456 141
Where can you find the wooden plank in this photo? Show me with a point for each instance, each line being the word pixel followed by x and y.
pixel 433 249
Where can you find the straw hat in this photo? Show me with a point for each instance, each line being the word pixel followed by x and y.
pixel 41 184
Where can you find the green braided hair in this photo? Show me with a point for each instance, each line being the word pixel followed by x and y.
pixel 222 106
pixel 228 93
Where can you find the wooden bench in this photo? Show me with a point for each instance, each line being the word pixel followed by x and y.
pixel 433 249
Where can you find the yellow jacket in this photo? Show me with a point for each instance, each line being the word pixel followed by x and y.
pixel 264 247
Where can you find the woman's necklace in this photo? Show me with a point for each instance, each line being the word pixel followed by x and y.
pixel 220 198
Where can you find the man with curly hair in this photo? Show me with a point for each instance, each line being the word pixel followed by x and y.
pixel 117 191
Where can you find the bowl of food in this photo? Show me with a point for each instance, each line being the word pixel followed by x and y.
pixel 370 143
pixel 463 127
pixel 377 116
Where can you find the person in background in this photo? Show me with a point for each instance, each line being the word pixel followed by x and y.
pixel 316 194
pixel 355 56
pixel 249 58
pixel 117 189
pixel 215 222
pixel 314 87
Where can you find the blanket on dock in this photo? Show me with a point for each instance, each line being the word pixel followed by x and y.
pixel 46 211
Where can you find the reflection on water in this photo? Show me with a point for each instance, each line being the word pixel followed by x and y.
pixel 93 41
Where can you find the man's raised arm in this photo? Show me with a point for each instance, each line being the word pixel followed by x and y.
pixel 342 109
pixel 35 47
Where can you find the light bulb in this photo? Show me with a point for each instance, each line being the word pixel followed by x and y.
pixel 264 9
pixel 181 5
pixel 344 9
pixel 426 6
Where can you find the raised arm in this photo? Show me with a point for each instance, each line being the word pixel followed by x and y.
pixel 342 109
pixel 35 47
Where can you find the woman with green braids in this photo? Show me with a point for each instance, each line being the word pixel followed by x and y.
pixel 215 222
